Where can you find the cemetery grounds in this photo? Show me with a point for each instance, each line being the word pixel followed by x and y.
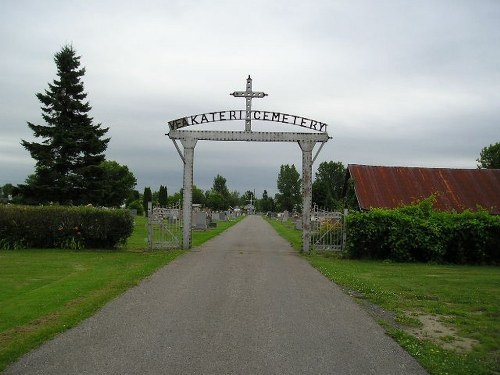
pixel 446 316
pixel 45 292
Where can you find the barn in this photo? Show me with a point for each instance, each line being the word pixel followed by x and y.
pixel 455 189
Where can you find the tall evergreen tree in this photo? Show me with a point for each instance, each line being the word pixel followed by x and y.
pixel 146 197
pixel 68 158
pixel 266 204
pixel 163 196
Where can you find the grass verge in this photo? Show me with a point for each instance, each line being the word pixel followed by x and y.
pixel 447 317
pixel 287 230
pixel 45 292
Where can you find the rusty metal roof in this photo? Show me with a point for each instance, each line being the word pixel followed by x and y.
pixel 455 189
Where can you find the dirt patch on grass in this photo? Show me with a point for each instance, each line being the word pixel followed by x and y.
pixel 7 336
pixel 435 330
pixel 431 328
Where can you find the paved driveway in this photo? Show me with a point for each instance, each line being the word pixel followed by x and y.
pixel 243 303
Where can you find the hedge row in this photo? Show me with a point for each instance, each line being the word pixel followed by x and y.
pixel 63 227
pixel 418 233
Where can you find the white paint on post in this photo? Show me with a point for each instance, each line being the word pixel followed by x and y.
pixel 307 148
pixel 187 201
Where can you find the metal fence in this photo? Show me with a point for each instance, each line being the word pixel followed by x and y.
pixel 165 226
pixel 328 230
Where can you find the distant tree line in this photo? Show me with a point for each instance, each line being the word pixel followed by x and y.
pixel 328 189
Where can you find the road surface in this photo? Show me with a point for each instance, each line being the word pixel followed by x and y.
pixel 243 303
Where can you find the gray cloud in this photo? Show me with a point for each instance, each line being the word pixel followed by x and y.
pixel 399 83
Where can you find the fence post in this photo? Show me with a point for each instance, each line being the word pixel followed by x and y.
pixel 150 226
pixel 344 229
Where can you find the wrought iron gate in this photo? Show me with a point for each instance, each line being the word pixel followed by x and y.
pixel 328 230
pixel 165 227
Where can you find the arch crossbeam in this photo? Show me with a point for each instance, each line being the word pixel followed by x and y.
pixel 248 136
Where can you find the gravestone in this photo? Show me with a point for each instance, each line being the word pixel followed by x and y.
pixel 200 220
pixel 284 217
pixel 298 224
pixel 215 217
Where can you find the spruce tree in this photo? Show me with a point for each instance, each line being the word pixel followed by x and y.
pixel 146 197
pixel 72 147
pixel 163 196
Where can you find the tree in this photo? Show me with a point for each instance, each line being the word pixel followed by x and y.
pixel 289 184
pixel 219 198
pixel 133 196
pixel 6 190
pixel 72 147
pixel 136 205
pixel 198 196
pixel 216 201
pixel 163 196
pixel 490 157
pixel 134 202
pixel 233 199
pixel 328 185
pixel 177 197
pixel 220 186
pixel 146 197
pixel 247 198
pixel 266 204
pixel 117 184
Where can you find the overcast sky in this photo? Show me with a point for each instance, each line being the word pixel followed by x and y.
pixel 407 83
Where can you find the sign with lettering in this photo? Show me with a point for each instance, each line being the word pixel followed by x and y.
pixel 284 118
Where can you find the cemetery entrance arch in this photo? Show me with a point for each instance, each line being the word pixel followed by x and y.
pixel 189 138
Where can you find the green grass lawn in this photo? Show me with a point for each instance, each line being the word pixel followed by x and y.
pixel 446 316
pixel 44 292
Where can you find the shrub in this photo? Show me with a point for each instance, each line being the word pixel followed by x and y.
pixel 419 233
pixel 136 205
pixel 63 227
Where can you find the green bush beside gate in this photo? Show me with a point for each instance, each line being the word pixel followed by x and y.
pixel 418 233
pixel 63 227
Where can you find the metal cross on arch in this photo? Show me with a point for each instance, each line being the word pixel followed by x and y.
pixel 248 94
